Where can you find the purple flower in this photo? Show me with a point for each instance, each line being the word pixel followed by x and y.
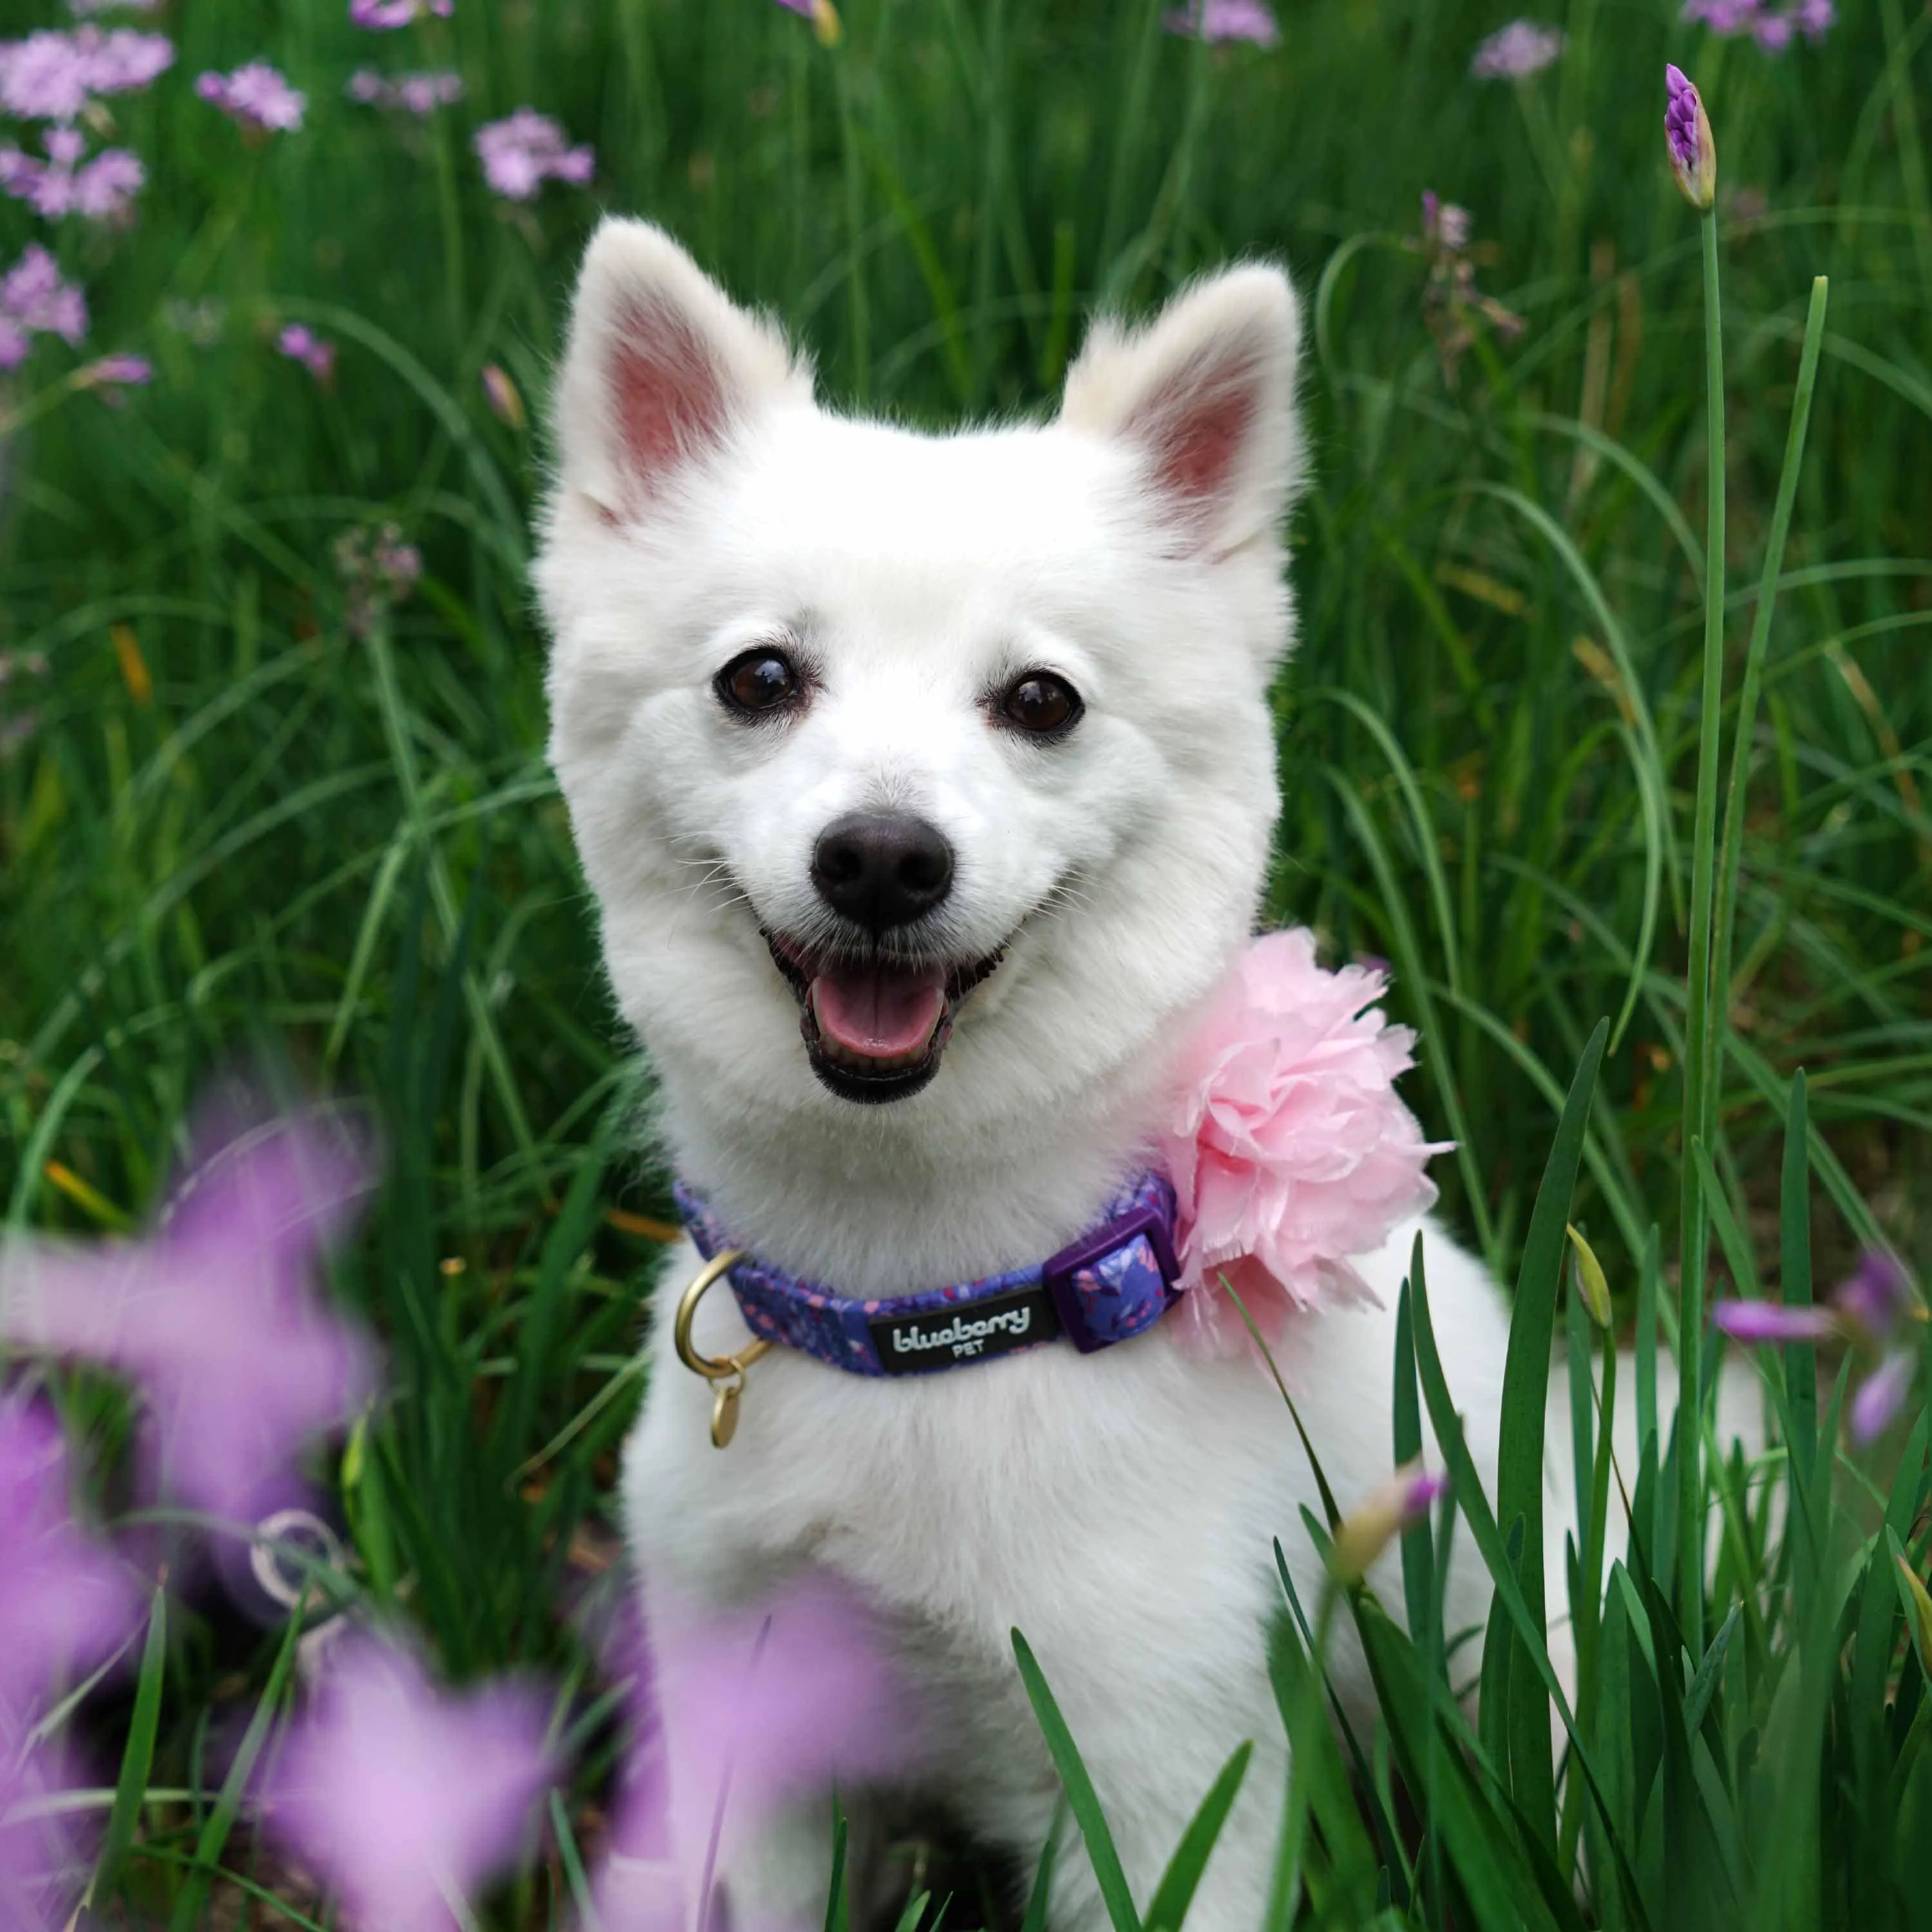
pixel 383 16
pixel 521 152
pixel 42 1854
pixel 822 15
pixel 1880 1396
pixel 64 184
pixel 52 75
pixel 112 374
pixel 1226 20
pixel 201 322
pixel 1399 1504
pixel 1876 1296
pixel 1523 48
pixel 300 344
pixel 1688 141
pixel 65 1603
pixel 255 96
pixel 407 1797
pixel 1453 306
pixel 1771 1322
pixel 36 301
pixel 501 393
pixel 1773 30
pixel 376 570
pixel 218 1314
pixel 418 93
pixel 80 9
pixel 734 1714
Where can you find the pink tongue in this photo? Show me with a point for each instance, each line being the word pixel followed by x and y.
pixel 878 1011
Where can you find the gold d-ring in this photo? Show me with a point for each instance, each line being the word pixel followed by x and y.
pixel 728 1374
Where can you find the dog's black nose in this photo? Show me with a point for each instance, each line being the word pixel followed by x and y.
pixel 882 869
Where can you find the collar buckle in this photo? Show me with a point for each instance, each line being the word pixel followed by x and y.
pixel 1118 1279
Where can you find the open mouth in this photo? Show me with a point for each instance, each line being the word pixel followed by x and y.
pixel 875 1027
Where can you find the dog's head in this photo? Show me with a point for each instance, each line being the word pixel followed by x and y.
pixel 912 766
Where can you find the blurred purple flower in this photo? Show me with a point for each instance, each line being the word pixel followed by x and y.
pixel 822 15
pixel 1773 29
pixel 1516 51
pixel 255 96
pixel 65 1602
pixel 300 344
pixel 111 374
pixel 36 299
pixel 43 1854
pixel 1453 306
pixel 81 9
pixel 407 1797
pixel 1880 1396
pixel 64 184
pixel 501 393
pixel 1772 1321
pixel 218 1314
pixel 1876 1295
pixel 383 16
pixel 1226 20
pixel 1400 1504
pixel 418 93
pixel 377 569
pixel 733 1714
pixel 200 323
pixel 521 152
pixel 52 75
pixel 1688 141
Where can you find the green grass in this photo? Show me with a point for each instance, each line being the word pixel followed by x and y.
pixel 350 854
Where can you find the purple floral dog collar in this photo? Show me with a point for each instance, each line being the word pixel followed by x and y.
pixel 1116 1281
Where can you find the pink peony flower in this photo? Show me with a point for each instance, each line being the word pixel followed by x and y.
pixel 255 96
pixel 1289 1148
pixel 218 1314
pixel 522 152
pixel 407 1797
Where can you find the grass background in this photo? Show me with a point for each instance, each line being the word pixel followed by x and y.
pixel 228 827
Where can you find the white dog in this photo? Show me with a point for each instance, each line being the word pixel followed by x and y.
pixel 939 772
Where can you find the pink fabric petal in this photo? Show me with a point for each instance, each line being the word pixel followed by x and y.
pixel 1289 1149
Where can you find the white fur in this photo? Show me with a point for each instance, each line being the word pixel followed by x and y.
pixel 1118 1508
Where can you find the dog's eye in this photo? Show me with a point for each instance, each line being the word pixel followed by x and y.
pixel 757 681
pixel 1042 704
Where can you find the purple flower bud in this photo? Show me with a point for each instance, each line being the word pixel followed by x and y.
pixel 1401 1503
pixel 1875 1297
pixel 1880 1396
pixel 1688 141
pixel 1771 1322
pixel 505 404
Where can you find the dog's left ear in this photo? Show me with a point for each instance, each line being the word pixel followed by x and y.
pixel 1206 394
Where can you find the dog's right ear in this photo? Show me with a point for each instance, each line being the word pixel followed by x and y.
pixel 661 371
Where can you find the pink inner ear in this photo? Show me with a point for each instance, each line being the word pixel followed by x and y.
pixel 671 403
pixel 1194 428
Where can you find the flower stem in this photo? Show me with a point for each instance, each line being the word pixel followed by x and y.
pixel 1730 852
pixel 1704 1028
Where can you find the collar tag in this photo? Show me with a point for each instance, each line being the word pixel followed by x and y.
pixel 971 1331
